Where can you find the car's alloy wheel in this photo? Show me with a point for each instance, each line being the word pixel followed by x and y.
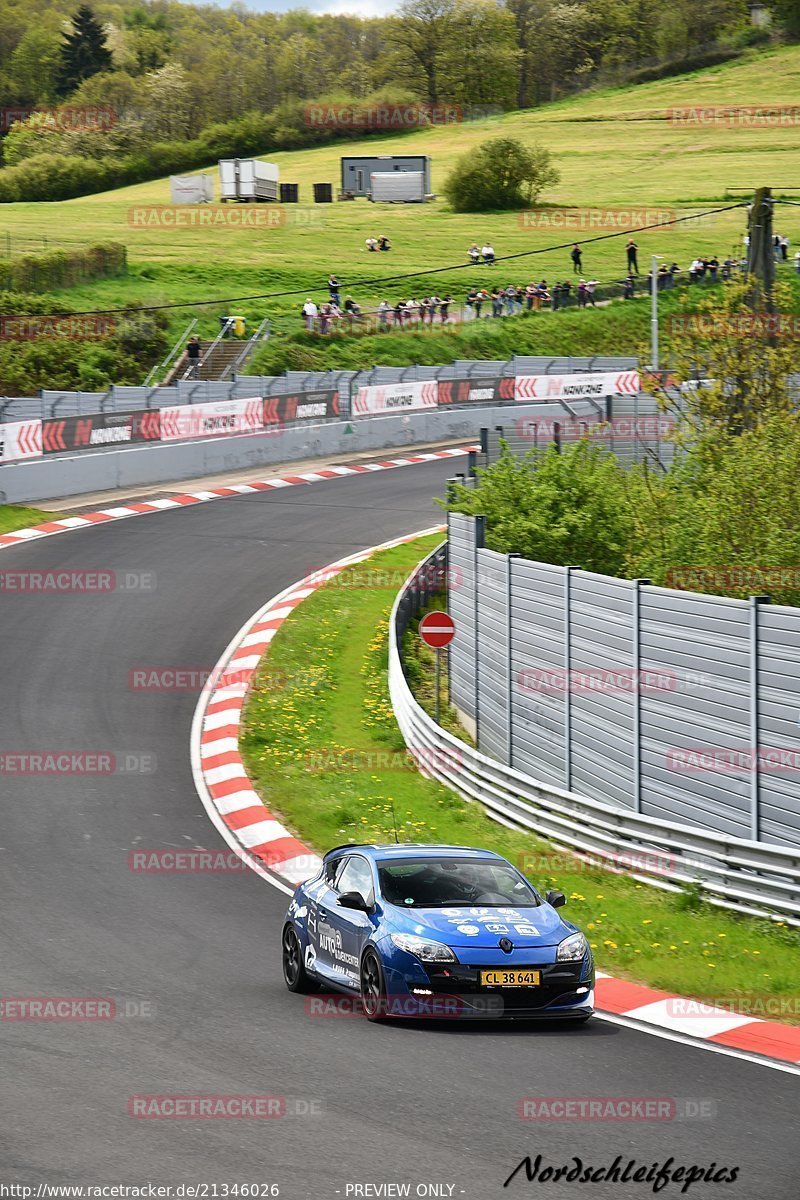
pixel 294 972
pixel 373 997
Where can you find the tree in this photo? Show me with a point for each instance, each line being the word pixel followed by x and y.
pixel 83 52
pixel 568 508
pixel 479 65
pixel 34 64
pixel 501 174
pixel 423 32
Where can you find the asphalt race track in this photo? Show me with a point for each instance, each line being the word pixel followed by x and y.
pixel 195 957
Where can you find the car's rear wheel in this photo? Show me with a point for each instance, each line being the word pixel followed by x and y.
pixel 373 988
pixel 294 972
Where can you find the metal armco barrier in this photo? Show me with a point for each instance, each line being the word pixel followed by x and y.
pixel 735 873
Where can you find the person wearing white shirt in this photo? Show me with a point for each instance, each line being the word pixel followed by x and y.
pixel 310 312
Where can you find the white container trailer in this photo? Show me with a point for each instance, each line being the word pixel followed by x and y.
pixel 247 180
pixel 191 189
pixel 398 187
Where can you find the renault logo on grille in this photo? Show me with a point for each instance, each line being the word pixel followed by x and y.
pixel 506 945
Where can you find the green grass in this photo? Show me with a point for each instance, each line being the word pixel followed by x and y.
pixel 614 149
pixel 12 517
pixel 316 725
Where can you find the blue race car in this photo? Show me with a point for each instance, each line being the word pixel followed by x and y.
pixel 435 931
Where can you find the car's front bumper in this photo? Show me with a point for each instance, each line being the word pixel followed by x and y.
pixel 454 990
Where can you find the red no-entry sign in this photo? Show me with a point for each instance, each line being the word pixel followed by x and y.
pixel 437 629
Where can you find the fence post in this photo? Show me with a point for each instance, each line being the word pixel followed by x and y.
pixel 568 676
pixel 478 544
pixel 509 665
pixel 755 773
pixel 637 695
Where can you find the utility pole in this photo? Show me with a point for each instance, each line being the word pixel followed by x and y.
pixel 760 252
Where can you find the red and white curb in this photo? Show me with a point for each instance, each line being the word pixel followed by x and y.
pixel 221 780
pixel 273 852
pixel 718 1028
pixel 186 499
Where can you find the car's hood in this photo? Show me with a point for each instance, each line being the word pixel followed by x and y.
pixel 540 926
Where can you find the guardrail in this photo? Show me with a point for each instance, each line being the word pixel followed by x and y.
pixel 734 873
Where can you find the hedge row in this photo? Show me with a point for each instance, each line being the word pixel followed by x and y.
pixel 62 268
pixel 50 176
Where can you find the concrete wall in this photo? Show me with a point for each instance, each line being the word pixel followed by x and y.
pixel 131 466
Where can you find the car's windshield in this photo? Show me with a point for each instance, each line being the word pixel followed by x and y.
pixel 445 882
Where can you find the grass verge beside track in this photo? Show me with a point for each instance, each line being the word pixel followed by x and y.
pixel 13 516
pixel 323 749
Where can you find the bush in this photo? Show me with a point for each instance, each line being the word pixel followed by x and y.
pixel 61 268
pixel 501 174
pixel 572 508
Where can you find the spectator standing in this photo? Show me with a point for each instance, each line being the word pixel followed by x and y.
pixel 425 310
pixel 577 260
pixel 591 287
pixel 511 300
pixel 193 357
pixel 582 293
pixel 384 308
pixel 333 290
pixel 352 310
pixel 628 288
pixel 566 288
pixel 325 314
pixel 310 312
pixel 674 271
pixel 480 300
pixel 713 267
pixel 436 304
pixel 631 251
pixel 399 313
pixel 445 308
pixel 556 297
pixel 784 249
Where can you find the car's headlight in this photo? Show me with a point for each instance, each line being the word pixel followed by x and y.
pixel 572 949
pixel 424 948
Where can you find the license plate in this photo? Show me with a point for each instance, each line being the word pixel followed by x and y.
pixel 503 978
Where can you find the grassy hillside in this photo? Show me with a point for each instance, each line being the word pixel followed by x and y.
pixel 617 149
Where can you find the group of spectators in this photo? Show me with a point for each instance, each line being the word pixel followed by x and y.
pixel 513 299
pixel 375 244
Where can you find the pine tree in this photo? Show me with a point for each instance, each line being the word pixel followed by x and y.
pixel 83 51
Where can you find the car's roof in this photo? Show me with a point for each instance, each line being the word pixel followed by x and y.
pixel 403 850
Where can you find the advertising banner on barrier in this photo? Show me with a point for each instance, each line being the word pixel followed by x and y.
pixel 396 397
pixel 20 439
pixel 483 389
pixel 99 429
pixel 211 420
pixel 301 406
pixel 591 385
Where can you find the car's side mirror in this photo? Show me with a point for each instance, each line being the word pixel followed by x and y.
pixel 354 900
pixel 556 899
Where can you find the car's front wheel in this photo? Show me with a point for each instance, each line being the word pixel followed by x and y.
pixel 294 972
pixel 373 988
